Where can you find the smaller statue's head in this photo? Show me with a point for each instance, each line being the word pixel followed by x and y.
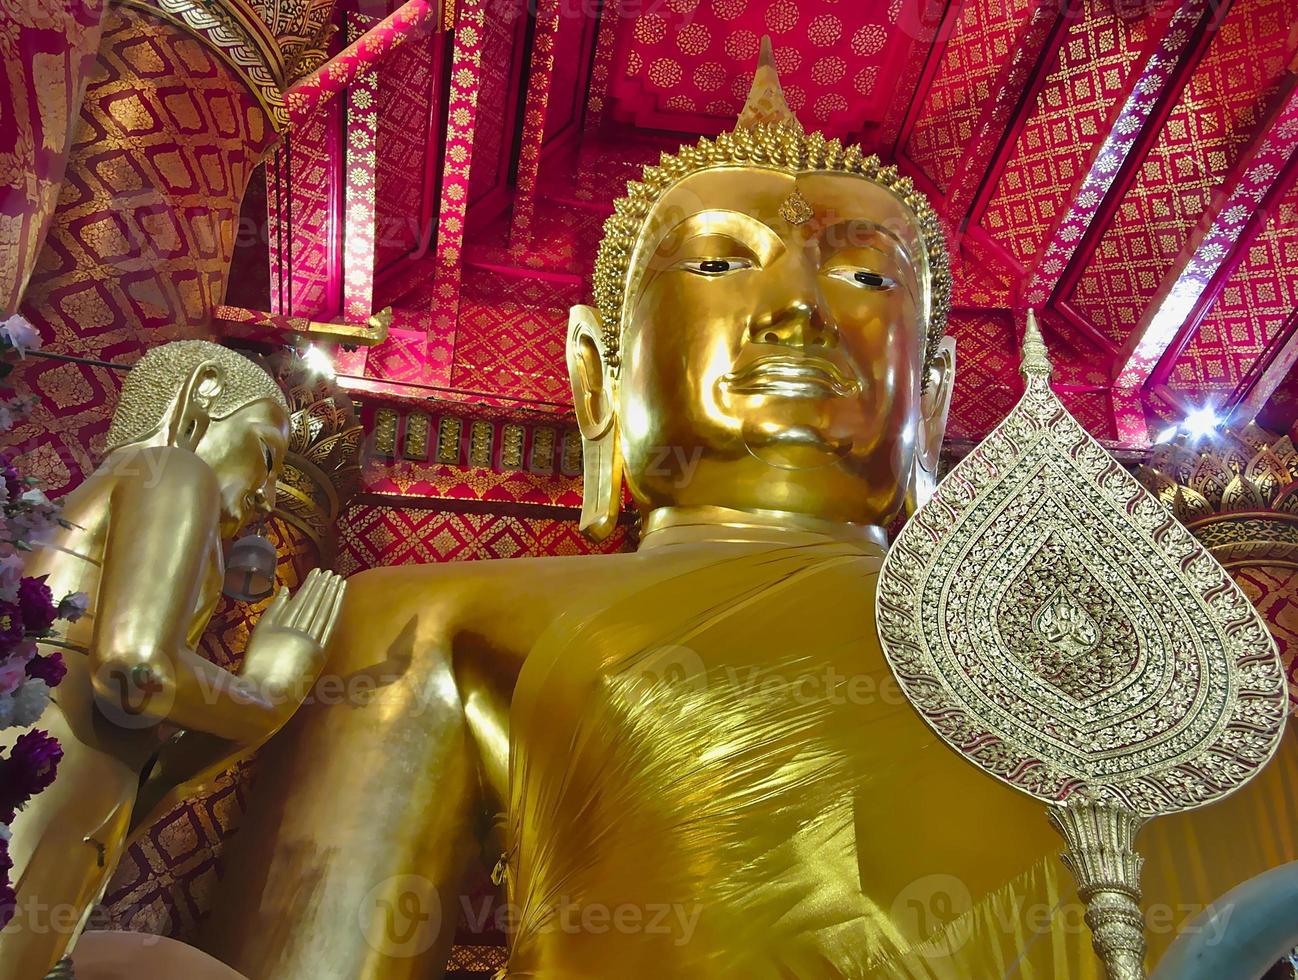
pixel 202 397
pixel 768 330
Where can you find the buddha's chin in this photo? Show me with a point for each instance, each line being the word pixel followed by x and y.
pixel 794 447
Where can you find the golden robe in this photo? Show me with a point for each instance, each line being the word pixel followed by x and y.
pixel 715 776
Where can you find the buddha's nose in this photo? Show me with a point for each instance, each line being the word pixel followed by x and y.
pixel 797 324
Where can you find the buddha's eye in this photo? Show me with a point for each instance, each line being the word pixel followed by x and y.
pixel 715 267
pixel 864 278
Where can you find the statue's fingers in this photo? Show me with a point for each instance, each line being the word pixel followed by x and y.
pixel 329 610
pixel 299 610
pixel 310 604
pixel 275 611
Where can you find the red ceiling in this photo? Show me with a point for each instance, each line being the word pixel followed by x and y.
pixel 1127 167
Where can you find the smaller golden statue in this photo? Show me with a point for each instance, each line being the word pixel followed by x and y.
pixel 194 450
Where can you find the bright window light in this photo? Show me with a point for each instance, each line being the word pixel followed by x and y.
pixel 318 362
pixel 1202 422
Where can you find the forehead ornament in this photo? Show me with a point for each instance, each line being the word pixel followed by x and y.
pixel 795 209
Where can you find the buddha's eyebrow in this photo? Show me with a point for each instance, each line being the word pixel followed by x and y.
pixel 744 228
pixel 847 234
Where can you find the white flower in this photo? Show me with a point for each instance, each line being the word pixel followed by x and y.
pixel 30 702
pixel 11 573
pixel 20 335
pixel 5 835
pixel 73 606
pixel 6 711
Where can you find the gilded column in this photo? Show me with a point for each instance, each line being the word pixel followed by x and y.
pixel 48 50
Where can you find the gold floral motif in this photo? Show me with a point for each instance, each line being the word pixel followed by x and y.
pixel 418 429
pixel 448 439
pixel 385 432
pixel 480 433
pixel 542 459
pixel 322 466
pixel 511 447
pixel 240 38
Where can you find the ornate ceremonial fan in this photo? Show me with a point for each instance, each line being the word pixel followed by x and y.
pixel 1062 631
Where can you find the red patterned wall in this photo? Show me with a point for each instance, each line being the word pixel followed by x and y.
pixel 979 45
pixel 48 51
pixel 674 63
pixel 139 247
pixel 406 96
pixel 493 134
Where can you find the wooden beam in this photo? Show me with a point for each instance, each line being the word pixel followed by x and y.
pixel 545 39
pixel 1218 242
pixel 1148 86
pixel 1016 78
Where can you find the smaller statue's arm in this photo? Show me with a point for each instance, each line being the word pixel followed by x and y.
pixel 162 534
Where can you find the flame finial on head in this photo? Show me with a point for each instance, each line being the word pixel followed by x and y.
pixel 766 103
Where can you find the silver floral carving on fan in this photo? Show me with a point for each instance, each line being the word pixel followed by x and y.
pixel 1059 628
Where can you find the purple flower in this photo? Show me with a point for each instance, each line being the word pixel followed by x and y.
pixel 32 763
pixel 49 668
pixel 14 486
pixel 36 603
pixel 11 625
pixel 8 897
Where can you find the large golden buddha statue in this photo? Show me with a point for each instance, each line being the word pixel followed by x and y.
pixel 691 761
pixel 195 446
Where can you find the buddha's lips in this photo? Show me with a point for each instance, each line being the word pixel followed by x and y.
pixel 791 374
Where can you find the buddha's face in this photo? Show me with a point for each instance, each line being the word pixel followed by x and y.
pixel 772 363
pixel 246 452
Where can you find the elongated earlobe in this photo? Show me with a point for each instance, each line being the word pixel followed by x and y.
pixel 594 396
pixel 935 405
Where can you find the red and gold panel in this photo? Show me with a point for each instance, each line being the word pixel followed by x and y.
pixel 1248 315
pixel 987 382
pixel 1087 76
pixel 493 135
pixel 308 175
pixel 371 535
pixel 406 86
pixel 63 437
pixel 1213 118
pixel 980 43
pixel 1274 590
pixel 687 65
pixel 48 50
pixel 511 337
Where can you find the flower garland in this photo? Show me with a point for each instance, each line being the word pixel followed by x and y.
pixel 27 613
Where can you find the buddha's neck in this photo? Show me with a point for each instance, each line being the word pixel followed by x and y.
pixel 680 525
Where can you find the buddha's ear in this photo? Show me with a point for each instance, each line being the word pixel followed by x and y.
pixel 934 406
pixel 594 396
pixel 191 413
